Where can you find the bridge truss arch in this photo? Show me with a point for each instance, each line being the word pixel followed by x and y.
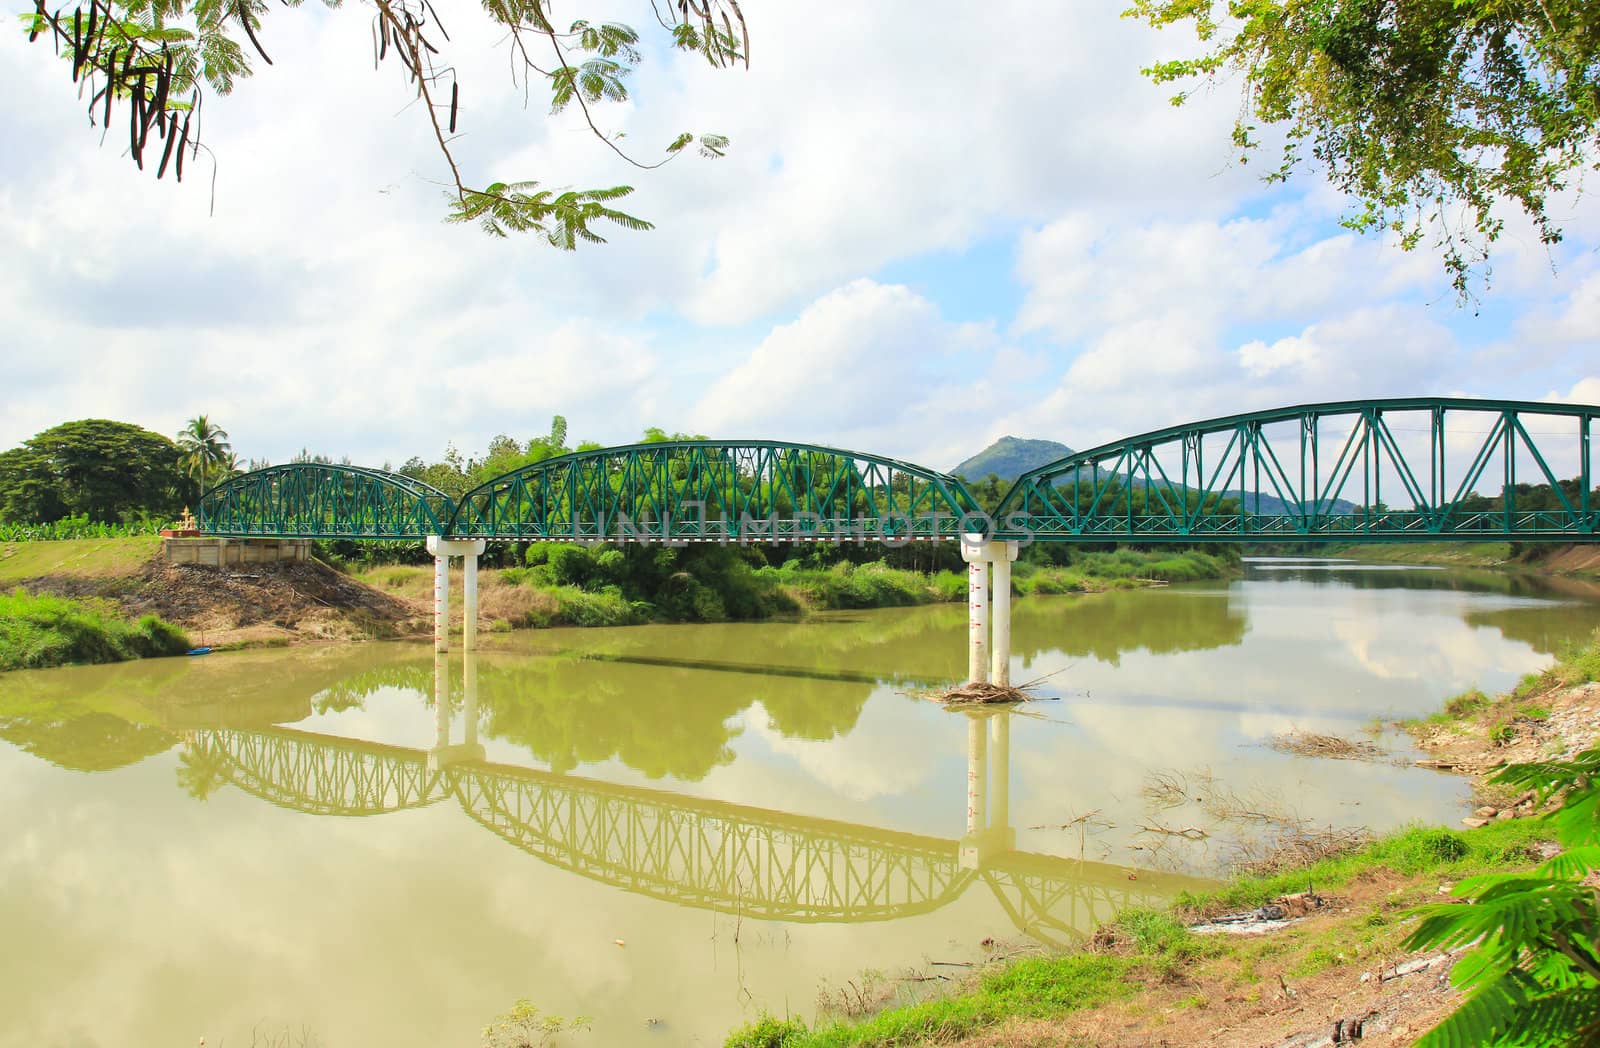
pixel 319 500
pixel 714 490
pixel 1403 469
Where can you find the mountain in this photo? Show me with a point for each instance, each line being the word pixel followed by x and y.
pixel 1010 457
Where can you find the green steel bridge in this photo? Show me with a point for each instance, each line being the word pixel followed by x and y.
pixel 1408 469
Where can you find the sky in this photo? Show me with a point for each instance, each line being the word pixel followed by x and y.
pixel 913 247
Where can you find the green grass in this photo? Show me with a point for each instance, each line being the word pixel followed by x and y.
pixel 1036 988
pixel 1415 850
pixel 89 558
pixel 36 632
pixel 1162 944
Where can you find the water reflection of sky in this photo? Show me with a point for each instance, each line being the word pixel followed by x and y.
pixel 171 916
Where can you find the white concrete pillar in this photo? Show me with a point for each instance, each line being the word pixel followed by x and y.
pixel 441 602
pixel 1000 620
pixel 443 549
pixel 1000 767
pixel 972 551
pixel 977 775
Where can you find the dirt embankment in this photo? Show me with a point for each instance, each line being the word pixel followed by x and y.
pixel 1584 558
pixel 255 604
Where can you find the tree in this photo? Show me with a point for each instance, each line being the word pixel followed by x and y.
pixel 1431 114
pixel 104 470
pixel 206 451
pixel 158 58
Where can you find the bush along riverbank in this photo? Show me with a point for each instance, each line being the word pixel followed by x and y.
pixel 42 631
pixel 1430 935
pixel 569 585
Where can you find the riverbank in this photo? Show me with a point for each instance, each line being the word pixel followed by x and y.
pixel 1551 557
pixel 38 632
pixel 1333 959
pixel 268 604
pixel 559 585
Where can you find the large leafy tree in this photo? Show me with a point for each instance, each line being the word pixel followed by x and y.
pixel 207 455
pixel 103 470
pixel 1433 115
pixel 155 60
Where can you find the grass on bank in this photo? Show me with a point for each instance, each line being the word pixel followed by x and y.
pixel 1152 950
pixel 84 558
pixel 38 632
pixel 1577 664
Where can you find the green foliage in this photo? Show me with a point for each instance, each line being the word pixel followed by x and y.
pixel 1428 114
pixel 206 453
pixel 79 528
pixel 1533 977
pixel 768 1032
pixel 157 57
pixel 1414 850
pixel 524 1026
pixel 850 586
pixel 1466 704
pixel 1036 988
pixel 38 631
pixel 94 468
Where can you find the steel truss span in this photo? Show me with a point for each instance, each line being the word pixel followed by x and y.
pixel 1410 469
pixel 1413 469
pixel 718 491
pixel 314 500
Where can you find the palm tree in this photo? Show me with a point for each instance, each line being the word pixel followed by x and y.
pixel 205 447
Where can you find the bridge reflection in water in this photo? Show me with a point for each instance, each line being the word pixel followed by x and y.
pixel 709 854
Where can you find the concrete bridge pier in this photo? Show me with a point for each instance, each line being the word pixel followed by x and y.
pixel 469 550
pixel 989 621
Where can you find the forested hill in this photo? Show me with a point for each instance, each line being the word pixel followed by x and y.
pixel 1010 457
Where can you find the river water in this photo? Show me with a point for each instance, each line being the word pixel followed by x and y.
pixel 669 829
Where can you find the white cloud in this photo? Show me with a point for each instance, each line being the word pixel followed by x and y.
pixel 868 365
pixel 325 304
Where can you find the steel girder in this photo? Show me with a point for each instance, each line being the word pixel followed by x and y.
pixel 314 500
pixel 1325 473
pixel 712 490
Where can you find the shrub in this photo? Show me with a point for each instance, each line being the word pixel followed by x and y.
pixel 768 1032
pixel 38 631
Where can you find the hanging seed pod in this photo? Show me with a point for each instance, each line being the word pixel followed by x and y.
pixel 135 142
pixel 163 80
pixel 39 21
pixel 455 97
pixel 88 34
pixel 166 154
pixel 111 83
pixel 77 43
pixel 183 142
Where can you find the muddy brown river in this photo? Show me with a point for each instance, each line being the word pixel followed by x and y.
pixel 670 829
